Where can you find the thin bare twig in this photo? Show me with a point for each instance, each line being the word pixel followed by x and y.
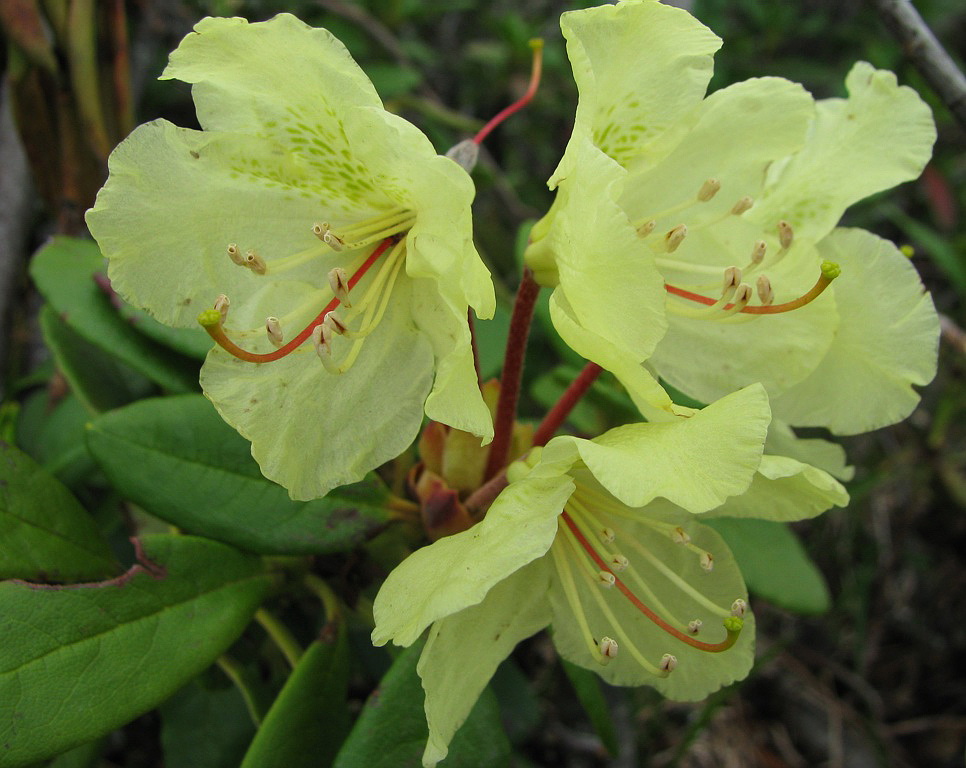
pixel 927 53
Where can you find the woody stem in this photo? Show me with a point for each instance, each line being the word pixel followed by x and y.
pixel 506 408
pixel 562 408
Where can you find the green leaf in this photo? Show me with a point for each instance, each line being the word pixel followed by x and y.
pixel 310 718
pixel 77 662
pixel 64 271
pixel 204 727
pixel 774 563
pixel 100 382
pixel 175 457
pixel 85 756
pixel 46 534
pixel 51 431
pixel 391 731
pixel 587 686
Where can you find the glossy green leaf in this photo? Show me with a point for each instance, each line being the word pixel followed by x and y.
pixel 204 727
pixel 64 271
pixel 310 718
pixel 77 662
pixel 774 563
pixel 391 731
pixel 100 381
pixel 46 535
pixel 587 685
pixel 176 458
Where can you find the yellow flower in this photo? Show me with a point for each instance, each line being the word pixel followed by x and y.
pixel 311 220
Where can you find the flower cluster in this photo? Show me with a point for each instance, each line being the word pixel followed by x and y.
pixel 693 240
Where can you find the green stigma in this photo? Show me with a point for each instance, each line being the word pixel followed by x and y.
pixel 209 318
pixel 830 270
pixel 733 624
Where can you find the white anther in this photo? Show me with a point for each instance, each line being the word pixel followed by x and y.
pixel 694 626
pixel 675 237
pixel 744 204
pixel 680 536
pixel 235 254
pixel 606 535
pixel 619 562
pixel 707 561
pixel 254 262
pixel 608 649
pixel 739 607
pixel 758 252
pixel 339 283
pixel 333 323
pixel 222 304
pixel 646 228
pixel 606 579
pixel 765 293
pixel 324 232
pixel 668 663
pixel 332 240
pixel 321 338
pixel 743 296
pixel 708 190
pixel 785 234
pixel 274 330
pixel 732 277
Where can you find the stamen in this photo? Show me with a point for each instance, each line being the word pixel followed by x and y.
pixel 339 283
pixel 743 295
pixel 675 237
pixel 668 663
pixel 573 599
pixel 674 578
pixel 254 262
pixel 332 323
pixel 830 271
pixel 744 204
pixel 235 254
pixel 738 608
pixel 708 190
pixel 324 232
pixel 606 535
pixel 608 648
pixel 694 626
pixel 587 570
pixel 646 228
pixel 732 629
pixel 322 341
pixel 707 561
pixel 680 536
pixel 606 579
pixel 580 514
pixel 785 234
pixel 758 252
pixel 274 330
pixel 765 293
pixel 619 563
pixel 221 304
pixel 212 322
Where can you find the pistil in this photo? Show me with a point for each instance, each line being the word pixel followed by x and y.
pixel 732 624
pixel 829 271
